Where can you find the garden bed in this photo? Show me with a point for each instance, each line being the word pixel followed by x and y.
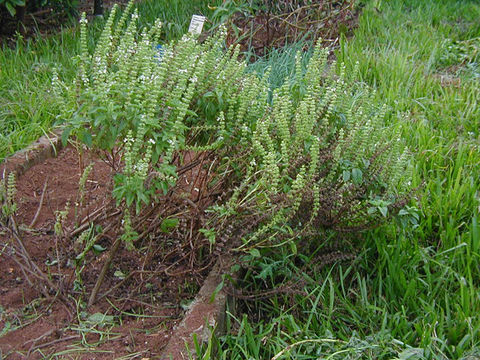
pixel 47 282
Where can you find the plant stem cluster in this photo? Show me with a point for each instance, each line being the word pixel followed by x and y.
pixel 313 153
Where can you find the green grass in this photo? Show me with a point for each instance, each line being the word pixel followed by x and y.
pixel 410 294
pixel 27 109
pixel 176 15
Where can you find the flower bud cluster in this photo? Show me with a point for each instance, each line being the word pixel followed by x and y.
pixel 318 140
pixel 318 131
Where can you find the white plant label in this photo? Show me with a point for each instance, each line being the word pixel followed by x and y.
pixel 196 25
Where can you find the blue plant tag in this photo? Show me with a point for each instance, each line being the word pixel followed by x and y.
pixel 160 52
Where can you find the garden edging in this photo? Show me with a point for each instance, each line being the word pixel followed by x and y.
pixel 206 316
pixel 44 148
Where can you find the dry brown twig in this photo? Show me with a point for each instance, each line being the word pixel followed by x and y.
pixel 40 205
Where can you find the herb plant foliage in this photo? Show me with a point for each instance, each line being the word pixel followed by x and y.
pixel 310 155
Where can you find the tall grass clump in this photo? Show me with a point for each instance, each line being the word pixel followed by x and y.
pixel 422 62
pixel 27 107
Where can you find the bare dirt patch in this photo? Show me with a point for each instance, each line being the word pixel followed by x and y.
pixel 44 288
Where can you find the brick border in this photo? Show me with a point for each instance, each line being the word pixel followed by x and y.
pixel 44 148
pixel 204 318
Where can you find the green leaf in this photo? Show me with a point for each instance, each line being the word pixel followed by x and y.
pixel 100 319
pixel 119 274
pixel 346 175
pixel 267 270
pixel 383 210
pixel 10 9
pixel 129 199
pixel 216 291
pixel 98 248
pixel 293 246
pixel 191 113
pixel 366 163
pixel 209 234
pixel 6 328
pixel 357 176
pixel 186 303
pixel 87 138
pixel 65 135
pixel 18 2
pixel 255 253
pixel 143 197
pixel 164 187
pixel 411 354
pixel 168 224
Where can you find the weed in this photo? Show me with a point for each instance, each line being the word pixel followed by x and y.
pixel 8 191
pixel 60 218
